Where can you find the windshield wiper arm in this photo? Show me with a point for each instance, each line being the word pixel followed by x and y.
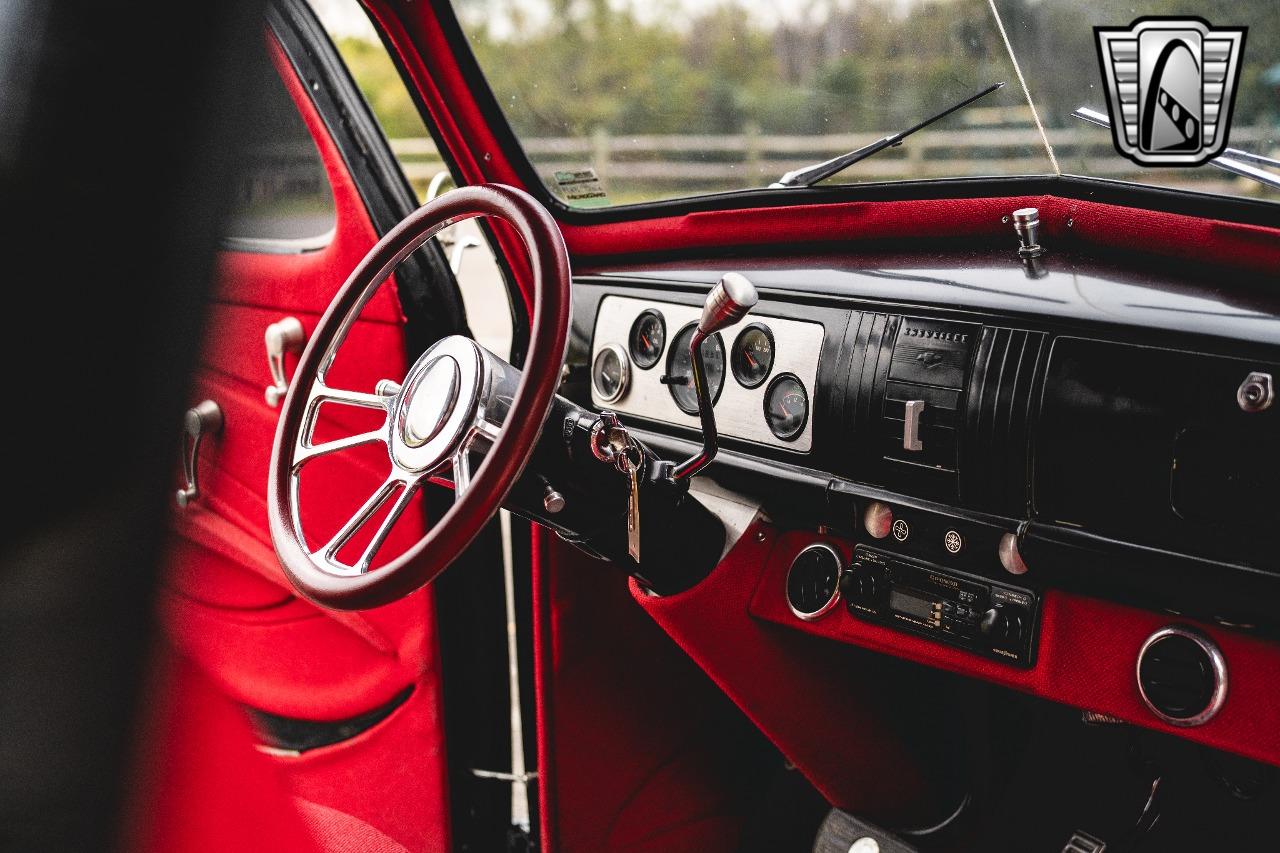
pixel 1233 160
pixel 810 175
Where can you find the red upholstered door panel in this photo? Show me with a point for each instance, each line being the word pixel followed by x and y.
pixel 226 606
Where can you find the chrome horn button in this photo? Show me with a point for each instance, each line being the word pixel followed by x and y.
pixel 429 402
pixel 436 406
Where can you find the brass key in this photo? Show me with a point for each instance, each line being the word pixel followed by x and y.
pixel 629 462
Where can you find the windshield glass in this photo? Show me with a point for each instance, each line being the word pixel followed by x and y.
pixel 623 101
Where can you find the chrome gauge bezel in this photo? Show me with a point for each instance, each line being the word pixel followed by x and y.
pixel 1217 664
pixel 808 406
pixel 624 381
pixel 673 352
pixel 737 345
pixel 835 595
pixel 631 338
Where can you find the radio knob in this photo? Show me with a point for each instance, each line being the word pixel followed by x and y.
pixel 994 624
pixel 1002 625
pixel 861 585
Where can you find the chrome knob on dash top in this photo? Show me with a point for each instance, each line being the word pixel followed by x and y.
pixel 1026 222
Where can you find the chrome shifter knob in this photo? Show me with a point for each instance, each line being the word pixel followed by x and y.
pixel 727 303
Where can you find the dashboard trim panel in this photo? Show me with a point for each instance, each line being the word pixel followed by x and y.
pixel 739 411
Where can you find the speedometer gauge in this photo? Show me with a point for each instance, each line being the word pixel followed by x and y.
pixel 786 407
pixel 752 355
pixel 679 376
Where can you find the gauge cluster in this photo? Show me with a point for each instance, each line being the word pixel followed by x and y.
pixel 761 371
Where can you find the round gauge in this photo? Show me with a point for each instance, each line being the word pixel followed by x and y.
pixel 813 581
pixel 648 336
pixel 752 355
pixel 786 407
pixel 610 372
pixel 680 369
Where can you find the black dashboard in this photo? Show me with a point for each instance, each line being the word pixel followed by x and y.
pixel 1114 419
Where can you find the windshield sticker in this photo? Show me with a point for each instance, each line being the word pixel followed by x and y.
pixel 1170 85
pixel 582 188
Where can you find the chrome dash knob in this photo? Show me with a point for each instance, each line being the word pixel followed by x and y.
pixel 1026 222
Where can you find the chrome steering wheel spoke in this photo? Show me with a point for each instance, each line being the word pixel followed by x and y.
pixel 461 465
pixel 479 438
pixel 305 450
pixel 328 552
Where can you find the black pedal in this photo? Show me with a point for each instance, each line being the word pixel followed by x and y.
pixel 841 832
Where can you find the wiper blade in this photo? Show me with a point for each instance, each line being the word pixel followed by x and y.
pixel 810 175
pixel 1233 160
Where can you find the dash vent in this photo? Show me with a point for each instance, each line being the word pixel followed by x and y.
pixel 995 451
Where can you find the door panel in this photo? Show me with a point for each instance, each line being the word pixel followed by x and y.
pixel 226 605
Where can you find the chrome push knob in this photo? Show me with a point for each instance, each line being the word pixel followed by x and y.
pixel 1026 222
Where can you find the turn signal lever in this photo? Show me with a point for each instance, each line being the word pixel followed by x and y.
pixel 727 303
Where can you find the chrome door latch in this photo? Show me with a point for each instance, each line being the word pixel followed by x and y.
pixel 200 420
pixel 282 336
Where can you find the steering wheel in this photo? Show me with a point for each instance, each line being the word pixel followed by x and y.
pixel 456 400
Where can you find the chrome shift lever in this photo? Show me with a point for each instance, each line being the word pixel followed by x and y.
pixel 727 303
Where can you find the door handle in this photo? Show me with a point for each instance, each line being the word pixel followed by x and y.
pixel 282 336
pixel 911 428
pixel 200 420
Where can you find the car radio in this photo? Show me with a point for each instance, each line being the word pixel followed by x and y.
pixel 962 610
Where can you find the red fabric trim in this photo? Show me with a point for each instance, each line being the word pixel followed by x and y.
pixel 543 667
pixel 393 777
pixel 199 785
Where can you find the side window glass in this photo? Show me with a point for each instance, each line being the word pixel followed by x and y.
pixel 282 201
pixel 484 290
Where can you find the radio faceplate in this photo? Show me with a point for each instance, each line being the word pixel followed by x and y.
pixel 951 607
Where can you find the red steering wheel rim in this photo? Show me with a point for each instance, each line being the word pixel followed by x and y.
pixel 549 263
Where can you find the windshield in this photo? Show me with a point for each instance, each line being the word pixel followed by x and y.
pixel 623 101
